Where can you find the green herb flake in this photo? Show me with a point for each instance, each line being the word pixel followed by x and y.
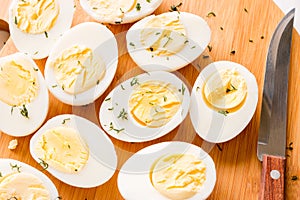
pixel 223 112
pixel 168 40
pixel 193 47
pixel 16 20
pixel 205 56
pixel 110 109
pixel 149 1
pixel 197 89
pixel 12 109
pixel 43 164
pixel 175 7
pixel 211 14
pixel 112 128
pixel 122 87
pixel 185 42
pixel 157 33
pixel 54 86
pixel 15 166
pixel 118 22
pixel 232 88
pixel 165 98
pixel 123 114
pixel 152 104
pixel 65 120
pixel 132 44
pixel 209 48
pixel 24 111
pixel 182 90
pixel 1 174
pixel 294 178
pixel 107 99
pixel 121 10
pixel 138 7
pixel 98 81
pixel 95 8
pixel 69 146
pixel 134 81
pixel 46 34
pixel 35 53
pixel 63 87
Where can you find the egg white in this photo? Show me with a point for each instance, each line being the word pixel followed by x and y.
pixel 118 99
pixel 216 127
pixel 129 17
pixel 38 46
pixel 134 180
pixel 198 35
pixel 11 121
pixel 102 161
pixel 5 168
pixel 103 43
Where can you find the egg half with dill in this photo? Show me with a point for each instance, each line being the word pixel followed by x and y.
pixel 145 107
pixel 24 97
pixel 168 41
pixel 35 25
pixel 79 69
pixel 223 101
pixel 119 11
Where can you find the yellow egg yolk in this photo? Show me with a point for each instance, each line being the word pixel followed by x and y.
pixel 18 82
pixel 163 35
pixel 63 149
pixel 36 16
pixel 112 9
pixel 77 69
pixel 178 176
pixel 226 89
pixel 23 186
pixel 154 103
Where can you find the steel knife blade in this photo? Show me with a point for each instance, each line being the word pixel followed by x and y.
pixel 272 131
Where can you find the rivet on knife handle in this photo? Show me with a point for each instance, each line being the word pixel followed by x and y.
pixel 272 178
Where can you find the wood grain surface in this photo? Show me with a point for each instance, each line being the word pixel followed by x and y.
pixel 238 169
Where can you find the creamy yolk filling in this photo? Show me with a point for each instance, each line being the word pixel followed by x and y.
pixel 112 9
pixel 163 35
pixel 36 16
pixel 77 69
pixel 178 176
pixel 18 83
pixel 23 186
pixel 63 149
pixel 226 89
pixel 154 103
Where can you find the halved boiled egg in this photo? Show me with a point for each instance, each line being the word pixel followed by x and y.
pixel 224 99
pixel 145 107
pixel 168 170
pixel 24 99
pixel 119 11
pixel 74 150
pixel 79 69
pixel 21 181
pixel 35 25
pixel 168 41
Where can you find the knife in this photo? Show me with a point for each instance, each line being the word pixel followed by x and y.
pixel 272 131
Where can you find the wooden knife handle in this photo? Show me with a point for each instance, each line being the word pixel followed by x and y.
pixel 272 182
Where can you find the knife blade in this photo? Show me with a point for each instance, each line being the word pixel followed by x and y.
pixel 272 131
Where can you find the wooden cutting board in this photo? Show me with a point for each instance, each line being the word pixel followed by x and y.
pixel 238 169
